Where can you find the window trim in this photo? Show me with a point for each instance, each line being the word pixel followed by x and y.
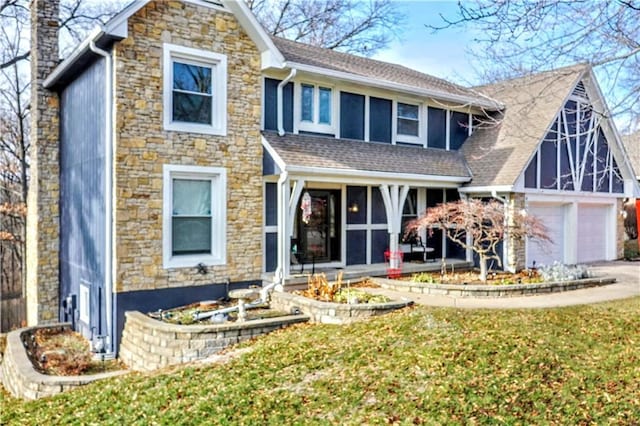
pixel 218 64
pixel 314 125
pixel 400 137
pixel 218 178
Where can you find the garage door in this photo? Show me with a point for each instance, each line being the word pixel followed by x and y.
pixel 592 233
pixel 546 253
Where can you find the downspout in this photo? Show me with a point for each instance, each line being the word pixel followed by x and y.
pixel 281 101
pixel 108 151
pixel 505 242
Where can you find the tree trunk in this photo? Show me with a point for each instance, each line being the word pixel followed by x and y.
pixel 483 269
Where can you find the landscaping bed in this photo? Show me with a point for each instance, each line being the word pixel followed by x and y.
pixel 186 315
pixel 336 302
pixel 21 378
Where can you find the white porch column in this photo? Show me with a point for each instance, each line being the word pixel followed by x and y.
pixel 394 199
pixel 287 202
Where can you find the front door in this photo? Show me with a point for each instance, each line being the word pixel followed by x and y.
pixel 319 230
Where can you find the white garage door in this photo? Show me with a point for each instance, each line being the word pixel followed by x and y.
pixel 546 253
pixel 592 233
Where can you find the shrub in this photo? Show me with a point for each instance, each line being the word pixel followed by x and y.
pixel 561 272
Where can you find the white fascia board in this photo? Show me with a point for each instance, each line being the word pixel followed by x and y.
pixel 253 28
pixel 80 50
pixel 354 78
pixel 582 198
pixel 487 189
pixel 274 154
pixel 342 175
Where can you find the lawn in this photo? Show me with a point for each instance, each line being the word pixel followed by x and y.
pixel 578 365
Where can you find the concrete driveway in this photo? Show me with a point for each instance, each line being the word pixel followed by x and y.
pixel 627 285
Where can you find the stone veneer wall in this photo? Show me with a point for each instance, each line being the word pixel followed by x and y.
pixel 516 255
pixel 148 344
pixel 23 381
pixel 620 231
pixel 143 147
pixel 43 224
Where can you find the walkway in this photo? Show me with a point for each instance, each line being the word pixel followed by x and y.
pixel 627 285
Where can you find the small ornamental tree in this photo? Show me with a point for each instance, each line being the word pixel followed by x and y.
pixel 480 226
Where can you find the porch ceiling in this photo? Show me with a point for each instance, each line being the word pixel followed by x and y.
pixel 344 155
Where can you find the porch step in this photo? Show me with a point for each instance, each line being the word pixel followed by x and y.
pixel 298 281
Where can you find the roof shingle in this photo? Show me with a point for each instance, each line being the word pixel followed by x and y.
pixel 370 68
pixel 498 152
pixel 345 154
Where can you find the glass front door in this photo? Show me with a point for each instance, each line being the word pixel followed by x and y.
pixel 318 229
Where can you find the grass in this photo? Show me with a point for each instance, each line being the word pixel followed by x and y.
pixel 577 365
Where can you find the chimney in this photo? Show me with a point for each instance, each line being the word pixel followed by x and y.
pixel 43 224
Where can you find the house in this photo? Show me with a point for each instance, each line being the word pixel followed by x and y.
pixel 180 151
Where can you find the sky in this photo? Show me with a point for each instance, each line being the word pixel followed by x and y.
pixel 442 54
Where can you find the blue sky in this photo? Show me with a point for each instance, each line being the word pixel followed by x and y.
pixel 442 54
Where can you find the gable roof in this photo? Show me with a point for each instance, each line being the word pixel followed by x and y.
pixel 632 145
pixel 498 152
pixel 344 156
pixel 297 54
pixel 116 29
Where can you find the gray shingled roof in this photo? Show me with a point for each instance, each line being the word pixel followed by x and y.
pixel 632 146
pixel 498 152
pixel 370 68
pixel 345 154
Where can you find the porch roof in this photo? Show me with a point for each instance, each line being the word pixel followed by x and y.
pixel 346 155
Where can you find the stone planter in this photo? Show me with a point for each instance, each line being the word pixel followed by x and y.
pixel 510 290
pixel 148 344
pixel 332 313
pixel 23 381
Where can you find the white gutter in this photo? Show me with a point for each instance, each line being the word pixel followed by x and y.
pixel 354 78
pixel 280 101
pixel 109 193
pixel 397 177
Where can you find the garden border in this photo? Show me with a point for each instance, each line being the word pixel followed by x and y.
pixel 491 291
pixel 22 380
pixel 330 312
pixel 148 344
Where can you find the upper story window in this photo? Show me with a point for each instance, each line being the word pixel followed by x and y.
pixel 195 93
pixel 316 108
pixel 194 216
pixel 408 120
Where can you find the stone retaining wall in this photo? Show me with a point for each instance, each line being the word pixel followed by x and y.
pixel 148 344
pixel 332 313
pixel 510 290
pixel 23 381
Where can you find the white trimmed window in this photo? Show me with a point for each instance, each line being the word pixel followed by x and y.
pixel 194 216
pixel 195 90
pixel 408 121
pixel 316 108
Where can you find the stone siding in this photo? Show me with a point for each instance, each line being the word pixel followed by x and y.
pixel 143 146
pixel 23 381
pixel 43 224
pixel 332 313
pixel 620 230
pixel 149 344
pixel 516 254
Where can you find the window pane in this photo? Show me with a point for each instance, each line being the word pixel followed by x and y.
pixel 191 235
pixel 191 197
pixel 408 111
pixel 307 103
pixel 192 78
pixel 407 127
pixel 325 105
pixel 191 108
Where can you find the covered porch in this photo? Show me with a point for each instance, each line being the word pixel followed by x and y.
pixel 341 204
